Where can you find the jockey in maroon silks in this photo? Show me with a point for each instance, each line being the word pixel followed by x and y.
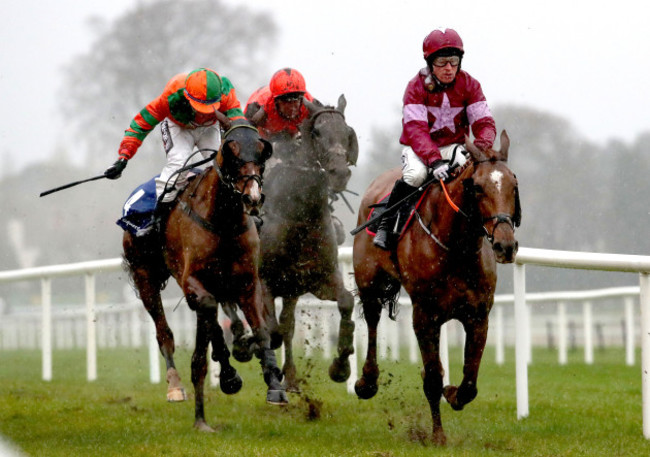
pixel 440 106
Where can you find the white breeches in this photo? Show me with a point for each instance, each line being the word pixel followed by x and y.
pixel 415 172
pixel 179 144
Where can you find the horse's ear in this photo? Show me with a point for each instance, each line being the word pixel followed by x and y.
pixel 474 150
pixel 267 150
pixel 258 117
pixel 311 107
pixel 342 103
pixel 505 144
pixel 225 122
pixel 353 147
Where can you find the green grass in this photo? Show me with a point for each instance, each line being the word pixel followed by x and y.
pixel 575 410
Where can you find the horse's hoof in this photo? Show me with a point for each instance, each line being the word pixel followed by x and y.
pixel 242 353
pixel 176 394
pixel 277 397
pixel 276 340
pixel 232 385
pixel 292 388
pixel 439 438
pixel 201 426
pixel 365 391
pixel 339 370
pixel 451 395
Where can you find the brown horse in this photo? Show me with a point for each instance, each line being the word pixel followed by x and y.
pixel 446 261
pixel 299 246
pixel 211 247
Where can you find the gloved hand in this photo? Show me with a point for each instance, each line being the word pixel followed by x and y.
pixel 115 170
pixel 440 170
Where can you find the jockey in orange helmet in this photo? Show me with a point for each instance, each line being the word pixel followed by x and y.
pixel 186 108
pixel 441 104
pixel 277 109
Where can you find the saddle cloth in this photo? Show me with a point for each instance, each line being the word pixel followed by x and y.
pixel 138 211
pixel 405 213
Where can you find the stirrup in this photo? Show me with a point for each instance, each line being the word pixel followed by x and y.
pixel 382 240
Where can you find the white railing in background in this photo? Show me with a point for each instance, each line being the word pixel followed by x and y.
pixel 587 261
pixel 394 331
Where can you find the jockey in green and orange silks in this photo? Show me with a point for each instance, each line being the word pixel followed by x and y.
pixel 186 110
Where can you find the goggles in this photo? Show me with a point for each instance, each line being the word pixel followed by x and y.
pixel 290 97
pixel 454 61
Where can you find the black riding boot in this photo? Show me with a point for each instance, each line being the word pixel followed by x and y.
pixel 384 237
pixel 161 214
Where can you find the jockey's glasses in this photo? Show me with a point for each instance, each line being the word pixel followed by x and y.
pixel 288 98
pixel 443 61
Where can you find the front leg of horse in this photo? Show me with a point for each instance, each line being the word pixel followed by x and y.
pixel 366 386
pixel 476 336
pixel 427 332
pixel 200 366
pixel 243 345
pixel 229 380
pixel 251 305
pixel 287 329
pixel 339 370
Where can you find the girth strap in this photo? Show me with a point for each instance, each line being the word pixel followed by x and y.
pixel 209 226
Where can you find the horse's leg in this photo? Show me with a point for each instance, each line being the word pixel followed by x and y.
pixel 249 301
pixel 366 386
pixel 149 290
pixel 241 343
pixel 339 370
pixel 230 381
pixel 287 329
pixel 427 331
pixel 270 318
pixel 476 335
pixel 205 322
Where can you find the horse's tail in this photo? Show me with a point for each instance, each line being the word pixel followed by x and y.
pixel 156 271
pixel 388 299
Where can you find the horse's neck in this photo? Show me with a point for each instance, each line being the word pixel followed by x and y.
pixel 214 201
pixel 297 193
pixel 452 228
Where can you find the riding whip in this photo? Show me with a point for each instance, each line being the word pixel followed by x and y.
pixel 397 205
pixel 72 184
pixel 391 208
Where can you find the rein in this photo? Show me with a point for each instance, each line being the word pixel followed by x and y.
pixel 500 218
pixel 228 183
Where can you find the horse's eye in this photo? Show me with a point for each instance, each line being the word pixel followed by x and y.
pixel 478 189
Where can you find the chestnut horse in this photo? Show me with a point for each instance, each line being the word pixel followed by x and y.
pixel 211 247
pixel 446 261
pixel 299 252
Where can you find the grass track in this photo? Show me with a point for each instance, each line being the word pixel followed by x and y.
pixel 575 410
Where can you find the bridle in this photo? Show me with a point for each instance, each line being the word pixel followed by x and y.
pixel 501 218
pixel 230 182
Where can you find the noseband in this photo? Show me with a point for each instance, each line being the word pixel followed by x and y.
pixel 230 182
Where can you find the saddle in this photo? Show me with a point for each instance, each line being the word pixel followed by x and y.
pixel 405 213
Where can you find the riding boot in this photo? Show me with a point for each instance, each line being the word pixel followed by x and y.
pixel 385 233
pixel 161 214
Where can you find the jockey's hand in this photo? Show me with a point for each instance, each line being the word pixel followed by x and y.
pixel 115 170
pixel 440 170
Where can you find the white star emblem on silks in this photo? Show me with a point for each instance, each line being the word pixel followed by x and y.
pixel 444 115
